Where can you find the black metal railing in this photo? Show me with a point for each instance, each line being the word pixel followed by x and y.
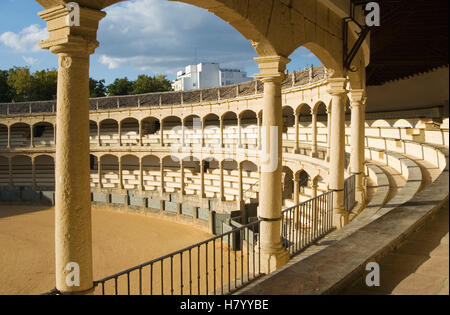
pixel 349 193
pixel 219 265
pixel 304 224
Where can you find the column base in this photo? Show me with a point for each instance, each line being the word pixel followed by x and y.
pixel 340 218
pixel 274 260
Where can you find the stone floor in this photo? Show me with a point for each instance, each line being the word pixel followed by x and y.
pixel 419 267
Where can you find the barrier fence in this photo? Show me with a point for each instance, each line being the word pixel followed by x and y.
pixel 307 222
pixel 224 263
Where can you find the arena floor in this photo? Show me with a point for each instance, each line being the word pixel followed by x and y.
pixel 120 241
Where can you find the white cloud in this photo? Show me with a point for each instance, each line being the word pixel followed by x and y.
pixel 26 40
pixel 29 60
pixel 164 36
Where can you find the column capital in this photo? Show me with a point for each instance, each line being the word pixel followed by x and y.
pixel 336 86
pixel 357 97
pixel 63 38
pixel 272 68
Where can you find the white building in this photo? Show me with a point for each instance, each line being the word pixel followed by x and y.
pixel 207 75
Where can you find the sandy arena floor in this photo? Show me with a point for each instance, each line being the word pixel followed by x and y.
pixel 120 241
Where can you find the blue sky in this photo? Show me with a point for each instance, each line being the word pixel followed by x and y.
pixel 136 37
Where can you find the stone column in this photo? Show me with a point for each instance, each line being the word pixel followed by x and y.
pixel 202 179
pixel 182 178
pixel 99 170
pixel 73 236
pixel 31 137
pixel 239 132
pixel 8 146
pixel 357 157
pixel 99 143
pixel 297 132
pixel 296 190
pixel 120 133
pixel 221 132
pixel 141 175
pixel 140 133
pixel 183 137
pixel 202 143
pixel 120 174
pixel 259 131
pixel 336 87
pixel 314 134
pixel 222 186
pixel 161 133
pixel 273 254
pixel 241 184
pixel 328 132
pixel 161 168
pixel 33 172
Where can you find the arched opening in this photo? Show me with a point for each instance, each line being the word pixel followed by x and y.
pixel 322 129
pixel 93 133
pixel 212 178
pixel 150 129
pixel 192 178
pixel 288 183
pixel 304 185
pixel 3 136
pixel 129 132
pixel 288 128
pixel 249 129
pixel 109 133
pixel 20 135
pixel 151 171
pixel 93 165
pixel 230 179
pixel 192 131
pixel 212 130
pixel 43 134
pixel 22 174
pixel 250 181
pixel 130 172
pixel 172 174
pixel 44 166
pixel 172 131
pixel 305 125
pixel 4 171
pixel 109 171
pixel 230 130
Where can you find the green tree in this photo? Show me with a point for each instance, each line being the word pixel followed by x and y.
pixel 120 87
pixel 97 88
pixel 39 86
pixel 147 84
pixel 5 90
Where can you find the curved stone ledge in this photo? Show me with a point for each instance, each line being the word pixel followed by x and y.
pixel 327 271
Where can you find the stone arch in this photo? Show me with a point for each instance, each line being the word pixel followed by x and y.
pixel 43 134
pixel 211 123
pixel 44 166
pixel 3 136
pixel 192 130
pixel 288 183
pixel 21 170
pixel 130 171
pixel 109 132
pixel 20 135
pixel 151 170
pixel 171 171
pixel 129 129
pixel 150 131
pixel 109 175
pixel 249 129
pixel 172 131
pixel 230 126
pixel 93 132
pixel 4 171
